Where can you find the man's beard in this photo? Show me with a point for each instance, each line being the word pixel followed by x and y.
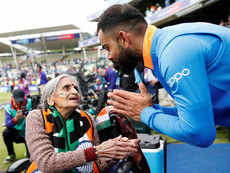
pixel 128 60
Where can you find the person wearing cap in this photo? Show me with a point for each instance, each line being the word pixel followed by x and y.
pixel 15 113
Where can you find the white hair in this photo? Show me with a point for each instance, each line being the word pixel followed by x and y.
pixel 50 88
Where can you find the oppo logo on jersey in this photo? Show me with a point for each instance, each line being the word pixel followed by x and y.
pixel 178 76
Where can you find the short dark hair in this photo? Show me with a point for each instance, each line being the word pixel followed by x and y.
pixel 39 65
pixel 23 75
pixel 120 15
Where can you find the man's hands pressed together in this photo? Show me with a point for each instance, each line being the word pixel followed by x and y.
pixel 129 103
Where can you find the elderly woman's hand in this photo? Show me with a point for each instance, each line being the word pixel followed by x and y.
pixel 118 148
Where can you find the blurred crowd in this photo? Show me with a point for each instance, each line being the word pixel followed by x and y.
pixel 157 6
pixel 11 77
pixel 225 23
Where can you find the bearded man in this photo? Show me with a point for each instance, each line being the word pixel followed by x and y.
pixel 190 60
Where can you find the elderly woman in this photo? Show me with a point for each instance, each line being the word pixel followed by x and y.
pixel 61 138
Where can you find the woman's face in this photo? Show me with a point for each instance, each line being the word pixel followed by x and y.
pixel 66 95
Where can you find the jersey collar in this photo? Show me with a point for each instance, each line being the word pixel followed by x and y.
pixel 150 31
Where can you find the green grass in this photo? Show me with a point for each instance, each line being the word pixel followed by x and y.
pixel 5 97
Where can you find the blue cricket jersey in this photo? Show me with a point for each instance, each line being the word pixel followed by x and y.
pixel 192 62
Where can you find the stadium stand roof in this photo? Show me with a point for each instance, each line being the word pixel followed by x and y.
pixel 42 39
pixel 38 31
pixel 52 42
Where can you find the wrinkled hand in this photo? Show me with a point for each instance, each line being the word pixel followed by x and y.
pixel 129 103
pixel 118 148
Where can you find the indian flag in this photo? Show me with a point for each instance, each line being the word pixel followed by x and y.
pixel 103 120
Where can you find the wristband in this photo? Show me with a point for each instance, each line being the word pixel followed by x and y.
pixel 94 147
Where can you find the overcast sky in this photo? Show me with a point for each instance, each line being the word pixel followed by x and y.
pixel 19 15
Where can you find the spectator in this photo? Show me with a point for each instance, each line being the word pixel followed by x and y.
pixel 158 7
pixel 222 23
pixel 72 69
pixel 110 77
pixel 23 84
pixel 12 85
pixel 61 138
pixel 228 22
pixel 101 74
pixel 42 76
pixel 15 113
pixel 147 12
pixel 167 3
pixel 99 86
pixel 152 9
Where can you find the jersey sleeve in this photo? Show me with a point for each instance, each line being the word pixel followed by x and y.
pixel 8 120
pixel 183 67
pixel 167 110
